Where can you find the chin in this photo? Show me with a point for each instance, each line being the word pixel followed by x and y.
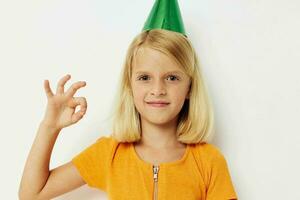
pixel 158 120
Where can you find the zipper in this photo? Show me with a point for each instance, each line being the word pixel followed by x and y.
pixel 155 178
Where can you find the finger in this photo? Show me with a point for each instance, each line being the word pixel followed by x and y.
pixel 47 88
pixel 83 107
pixel 75 86
pixel 76 117
pixel 61 84
pixel 79 101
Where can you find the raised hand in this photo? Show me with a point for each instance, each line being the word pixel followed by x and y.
pixel 61 106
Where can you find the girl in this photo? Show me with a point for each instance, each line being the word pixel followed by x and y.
pixel 159 145
pixel 162 123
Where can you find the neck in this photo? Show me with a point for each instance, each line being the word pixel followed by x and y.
pixel 159 136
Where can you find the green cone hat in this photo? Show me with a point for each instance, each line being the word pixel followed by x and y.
pixel 165 14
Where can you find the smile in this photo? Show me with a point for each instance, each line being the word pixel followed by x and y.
pixel 158 105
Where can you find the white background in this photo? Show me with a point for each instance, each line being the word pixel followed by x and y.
pixel 249 52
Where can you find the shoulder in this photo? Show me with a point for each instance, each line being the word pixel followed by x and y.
pixel 106 143
pixel 211 161
pixel 103 145
pixel 109 145
pixel 214 170
pixel 209 154
pixel 207 149
pixel 106 140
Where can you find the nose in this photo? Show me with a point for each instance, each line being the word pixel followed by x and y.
pixel 158 88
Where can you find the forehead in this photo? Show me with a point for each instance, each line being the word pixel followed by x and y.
pixel 151 60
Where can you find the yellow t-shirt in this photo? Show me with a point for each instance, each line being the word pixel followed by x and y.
pixel 115 167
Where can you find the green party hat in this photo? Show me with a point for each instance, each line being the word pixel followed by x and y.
pixel 165 14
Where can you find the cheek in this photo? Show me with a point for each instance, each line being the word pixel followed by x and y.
pixel 179 95
pixel 138 94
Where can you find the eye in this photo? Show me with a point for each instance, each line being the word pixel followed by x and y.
pixel 143 76
pixel 174 77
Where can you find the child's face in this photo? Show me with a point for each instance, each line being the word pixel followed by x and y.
pixel 156 77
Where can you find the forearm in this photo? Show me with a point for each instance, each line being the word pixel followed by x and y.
pixel 36 170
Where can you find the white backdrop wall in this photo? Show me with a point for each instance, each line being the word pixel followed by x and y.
pixel 249 54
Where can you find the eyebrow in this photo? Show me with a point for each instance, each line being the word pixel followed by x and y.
pixel 169 72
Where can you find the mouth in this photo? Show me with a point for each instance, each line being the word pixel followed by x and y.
pixel 158 105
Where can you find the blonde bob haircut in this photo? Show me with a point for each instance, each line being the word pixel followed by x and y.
pixel 195 120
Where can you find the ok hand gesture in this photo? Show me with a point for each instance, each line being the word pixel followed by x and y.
pixel 61 106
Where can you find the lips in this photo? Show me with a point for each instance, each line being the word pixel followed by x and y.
pixel 157 102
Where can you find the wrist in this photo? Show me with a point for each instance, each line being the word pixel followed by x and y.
pixel 52 127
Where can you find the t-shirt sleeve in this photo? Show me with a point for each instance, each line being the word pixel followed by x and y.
pixel 220 186
pixel 92 163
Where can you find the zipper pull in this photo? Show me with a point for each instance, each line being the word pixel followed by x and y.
pixel 155 172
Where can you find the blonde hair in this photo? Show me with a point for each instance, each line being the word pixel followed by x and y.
pixel 196 119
